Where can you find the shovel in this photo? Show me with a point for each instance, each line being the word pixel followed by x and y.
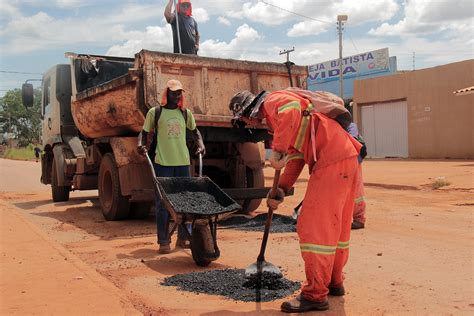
pixel 261 266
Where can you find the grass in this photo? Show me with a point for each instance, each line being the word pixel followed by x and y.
pixel 23 153
pixel 439 182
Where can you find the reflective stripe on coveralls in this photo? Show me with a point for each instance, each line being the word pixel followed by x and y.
pixel 359 202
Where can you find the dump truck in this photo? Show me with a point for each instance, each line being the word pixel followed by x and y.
pixel 94 107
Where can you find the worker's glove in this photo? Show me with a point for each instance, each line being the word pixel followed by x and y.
pixel 142 150
pixel 278 160
pixel 276 199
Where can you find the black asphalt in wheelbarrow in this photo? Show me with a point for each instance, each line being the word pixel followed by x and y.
pixel 197 197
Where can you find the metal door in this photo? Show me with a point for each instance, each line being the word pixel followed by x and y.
pixel 385 128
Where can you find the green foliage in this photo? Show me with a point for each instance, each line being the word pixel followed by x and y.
pixel 24 124
pixel 24 153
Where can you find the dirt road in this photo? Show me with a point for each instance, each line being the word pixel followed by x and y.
pixel 414 257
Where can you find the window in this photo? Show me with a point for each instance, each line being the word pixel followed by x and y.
pixel 47 96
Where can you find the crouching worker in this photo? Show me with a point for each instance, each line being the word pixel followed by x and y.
pixel 169 122
pixel 302 135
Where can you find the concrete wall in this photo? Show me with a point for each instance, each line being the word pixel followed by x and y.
pixel 440 124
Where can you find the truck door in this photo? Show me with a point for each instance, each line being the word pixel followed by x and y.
pixel 50 109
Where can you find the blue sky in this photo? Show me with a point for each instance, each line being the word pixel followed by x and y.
pixel 34 34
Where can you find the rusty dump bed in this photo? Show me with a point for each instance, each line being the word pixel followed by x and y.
pixel 118 107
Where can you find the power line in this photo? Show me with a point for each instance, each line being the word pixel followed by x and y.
pixel 350 37
pixel 304 16
pixel 20 72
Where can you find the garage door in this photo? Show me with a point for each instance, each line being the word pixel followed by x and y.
pixel 385 129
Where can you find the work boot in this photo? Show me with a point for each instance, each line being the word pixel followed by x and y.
pixel 164 249
pixel 300 305
pixel 337 291
pixel 183 243
pixel 357 225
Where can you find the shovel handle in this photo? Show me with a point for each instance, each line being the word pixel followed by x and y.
pixel 268 223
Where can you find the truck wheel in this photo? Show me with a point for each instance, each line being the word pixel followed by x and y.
pixel 139 210
pixel 59 193
pixel 114 205
pixel 254 179
pixel 202 245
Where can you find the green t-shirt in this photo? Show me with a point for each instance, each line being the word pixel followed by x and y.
pixel 171 147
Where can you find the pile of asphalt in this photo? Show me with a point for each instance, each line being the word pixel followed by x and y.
pixel 197 203
pixel 233 284
pixel 280 223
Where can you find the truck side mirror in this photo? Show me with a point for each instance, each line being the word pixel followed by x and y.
pixel 27 94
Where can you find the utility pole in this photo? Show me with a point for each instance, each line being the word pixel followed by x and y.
pixel 340 27
pixel 413 60
pixel 288 63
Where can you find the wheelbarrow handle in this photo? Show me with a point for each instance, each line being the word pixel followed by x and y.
pixel 268 223
pixel 155 180
pixel 200 165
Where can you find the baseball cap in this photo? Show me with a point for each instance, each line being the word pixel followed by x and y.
pixel 174 85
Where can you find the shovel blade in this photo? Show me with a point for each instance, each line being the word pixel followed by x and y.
pixel 261 267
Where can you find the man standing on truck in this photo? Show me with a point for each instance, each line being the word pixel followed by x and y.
pixel 303 136
pixel 183 24
pixel 170 122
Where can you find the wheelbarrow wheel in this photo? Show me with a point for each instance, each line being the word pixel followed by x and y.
pixel 202 245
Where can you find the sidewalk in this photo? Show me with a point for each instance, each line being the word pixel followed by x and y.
pixel 39 276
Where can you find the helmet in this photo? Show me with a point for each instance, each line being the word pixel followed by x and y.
pixel 246 104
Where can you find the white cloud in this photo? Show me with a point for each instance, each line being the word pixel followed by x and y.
pixel 8 11
pixel 200 15
pixel 23 34
pixel 69 3
pixel 425 17
pixel 359 12
pixel 244 41
pixel 224 21
pixel 308 28
pixel 154 38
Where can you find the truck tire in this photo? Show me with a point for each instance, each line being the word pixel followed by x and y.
pixel 114 205
pixel 254 179
pixel 59 193
pixel 139 210
pixel 202 245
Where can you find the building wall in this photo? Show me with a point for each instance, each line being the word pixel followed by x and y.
pixel 440 124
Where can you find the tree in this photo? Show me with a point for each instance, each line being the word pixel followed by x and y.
pixel 19 122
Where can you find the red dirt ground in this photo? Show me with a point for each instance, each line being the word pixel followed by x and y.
pixel 414 257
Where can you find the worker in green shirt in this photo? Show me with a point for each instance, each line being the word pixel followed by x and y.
pixel 170 121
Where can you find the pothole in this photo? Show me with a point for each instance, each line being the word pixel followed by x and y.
pixel 233 284
pixel 280 223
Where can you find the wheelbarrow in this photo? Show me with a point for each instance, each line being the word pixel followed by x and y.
pixel 197 201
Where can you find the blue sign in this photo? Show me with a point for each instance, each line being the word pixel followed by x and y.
pixel 352 66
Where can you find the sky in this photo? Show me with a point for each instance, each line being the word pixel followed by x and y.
pixel 35 34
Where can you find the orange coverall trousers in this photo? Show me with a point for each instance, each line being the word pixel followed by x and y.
pixel 324 226
pixel 359 205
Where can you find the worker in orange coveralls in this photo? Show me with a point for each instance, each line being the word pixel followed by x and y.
pixel 301 135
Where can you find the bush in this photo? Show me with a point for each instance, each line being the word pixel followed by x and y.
pixel 439 182
pixel 23 153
